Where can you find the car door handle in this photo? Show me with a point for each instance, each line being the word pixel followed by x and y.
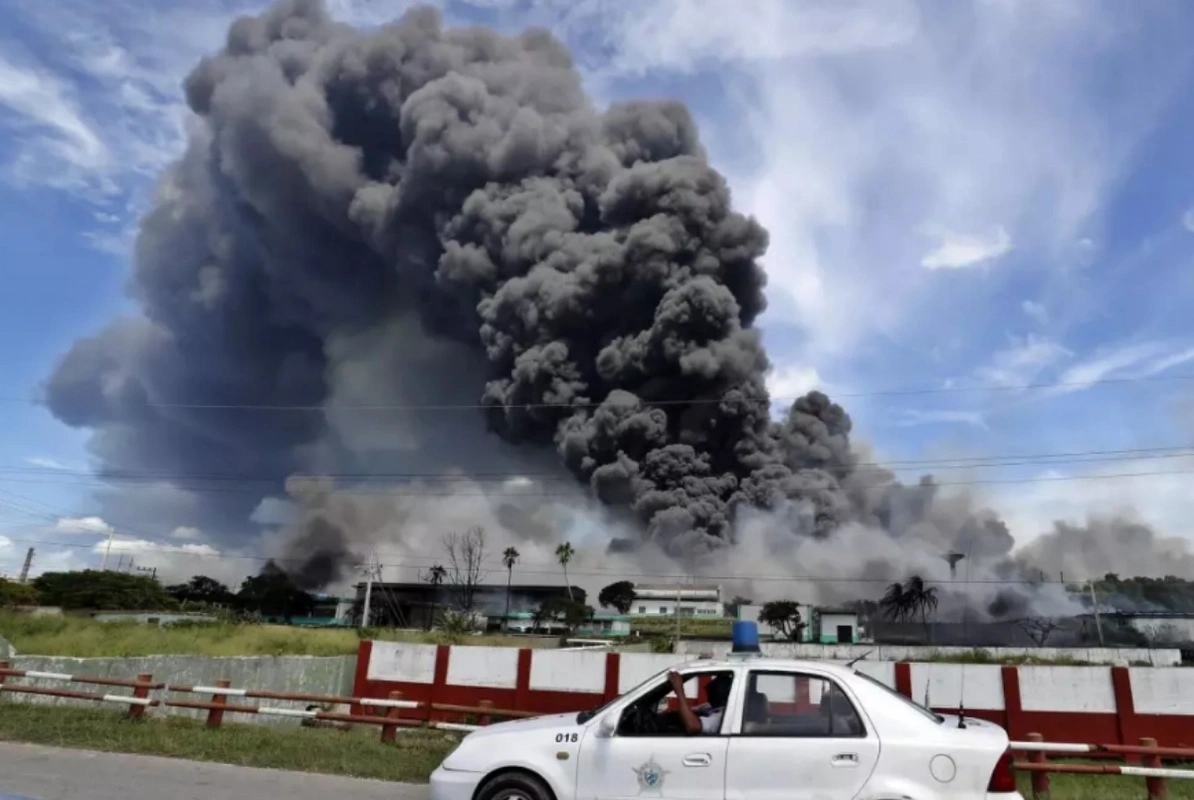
pixel 697 760
pixel 845 760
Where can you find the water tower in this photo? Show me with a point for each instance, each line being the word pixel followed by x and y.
pixel 953 559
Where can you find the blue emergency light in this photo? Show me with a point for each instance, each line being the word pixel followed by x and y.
pixel 745 637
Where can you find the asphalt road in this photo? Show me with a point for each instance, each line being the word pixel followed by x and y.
pixel 30 772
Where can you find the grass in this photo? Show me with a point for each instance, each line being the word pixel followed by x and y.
pixel 358 752
pixel 83 637
pixel 689 626
pixel 1102 787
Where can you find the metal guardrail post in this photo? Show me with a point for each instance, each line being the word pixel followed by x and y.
pixel 1157 787
pixel 136 710
pixel 1040 780
pixel 390 732
pixel 485 719
pixel 216 715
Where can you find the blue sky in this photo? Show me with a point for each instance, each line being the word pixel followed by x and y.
pixel 987 194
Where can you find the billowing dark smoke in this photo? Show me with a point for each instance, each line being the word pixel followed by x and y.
pixel 356 199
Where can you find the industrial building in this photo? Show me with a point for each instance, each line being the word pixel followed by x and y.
pixel 681 599
pixel 821 625
pixel 415 605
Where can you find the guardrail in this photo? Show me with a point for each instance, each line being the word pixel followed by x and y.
pixel 137 702
pixel 1147 752
pixel 387 712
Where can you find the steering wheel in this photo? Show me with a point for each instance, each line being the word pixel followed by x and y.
pixel 641 720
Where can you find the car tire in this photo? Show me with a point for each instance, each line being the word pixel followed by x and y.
pixel 514 786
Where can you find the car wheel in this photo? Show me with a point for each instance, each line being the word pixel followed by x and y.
pixel 514 786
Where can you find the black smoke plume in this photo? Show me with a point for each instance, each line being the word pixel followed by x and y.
pixel 442 214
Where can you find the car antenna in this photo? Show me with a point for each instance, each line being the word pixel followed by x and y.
pixel 965 618
pixel 856 659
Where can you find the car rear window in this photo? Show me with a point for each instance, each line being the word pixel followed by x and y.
pixel 935 717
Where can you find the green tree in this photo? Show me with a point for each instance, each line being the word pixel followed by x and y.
pixel 619 596
pixel 566 611
pixel 510 557
pixel 272 593
pixel 910 600
pixel 565 553
pixel 783 616
pixel 202 589
pixel 17 594
pixel 734 607
pixel 102 590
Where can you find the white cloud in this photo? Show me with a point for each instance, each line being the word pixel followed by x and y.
pixel 1159 496
pixel 83 525
pixel 790 381
pixel 911 417
pixel 111 109
pixel 1022 361
pixel 145 546
pixel 56 143
pixel 857 123
pixel 46 463
pixel 185 532
pixel 955 251
pixel 1188 220
pixel 5 542
pixel 1037 311
pixel 1109 363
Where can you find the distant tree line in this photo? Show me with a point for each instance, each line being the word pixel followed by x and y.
pixel 270 593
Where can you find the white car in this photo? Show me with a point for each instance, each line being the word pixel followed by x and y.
pixel 791 730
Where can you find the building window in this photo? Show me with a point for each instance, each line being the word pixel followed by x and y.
pixel 663 609
pixel 642 609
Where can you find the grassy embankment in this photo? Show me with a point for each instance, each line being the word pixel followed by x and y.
pixel 83 637
pixel 357 753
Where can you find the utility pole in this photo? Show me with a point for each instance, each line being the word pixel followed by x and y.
pixel 1095 604
pixel 107 549
pixel 370 567
pixel 25 568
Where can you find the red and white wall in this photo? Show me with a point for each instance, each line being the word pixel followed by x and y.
pixel 1096 705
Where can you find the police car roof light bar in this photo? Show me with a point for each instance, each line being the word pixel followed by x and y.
pixel 745 638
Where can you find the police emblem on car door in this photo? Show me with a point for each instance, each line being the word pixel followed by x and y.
pixel 650 776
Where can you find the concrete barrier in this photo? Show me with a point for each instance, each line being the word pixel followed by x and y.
pixel 332 675
pixel 1119 656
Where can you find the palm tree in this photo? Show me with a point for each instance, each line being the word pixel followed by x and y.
pixel 895 602
pixel 564 554
pixel 923 599
pixel 910 600
pixel 509 557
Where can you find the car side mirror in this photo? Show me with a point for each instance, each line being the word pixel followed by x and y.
pixel 607 726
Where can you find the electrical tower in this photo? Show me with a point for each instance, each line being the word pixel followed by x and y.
pixel 25 567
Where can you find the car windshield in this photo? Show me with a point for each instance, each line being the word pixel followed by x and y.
pixel 925 711
pixel 585 716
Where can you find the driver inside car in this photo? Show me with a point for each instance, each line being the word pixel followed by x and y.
pixel 705 719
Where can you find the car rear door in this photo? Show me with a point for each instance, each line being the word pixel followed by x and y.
pixel 798 736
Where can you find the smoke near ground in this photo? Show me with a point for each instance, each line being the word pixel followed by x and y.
pixel 437 223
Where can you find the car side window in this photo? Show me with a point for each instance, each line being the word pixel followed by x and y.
pixel 656 712
pixel 798 705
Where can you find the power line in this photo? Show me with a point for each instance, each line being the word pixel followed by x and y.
pixel 953 462
pixel 389 492
pixel 895 392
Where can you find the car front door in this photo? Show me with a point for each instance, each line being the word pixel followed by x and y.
pixel 671 765
pixel 798 736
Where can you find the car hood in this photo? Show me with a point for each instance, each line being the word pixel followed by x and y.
pixel 529 724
